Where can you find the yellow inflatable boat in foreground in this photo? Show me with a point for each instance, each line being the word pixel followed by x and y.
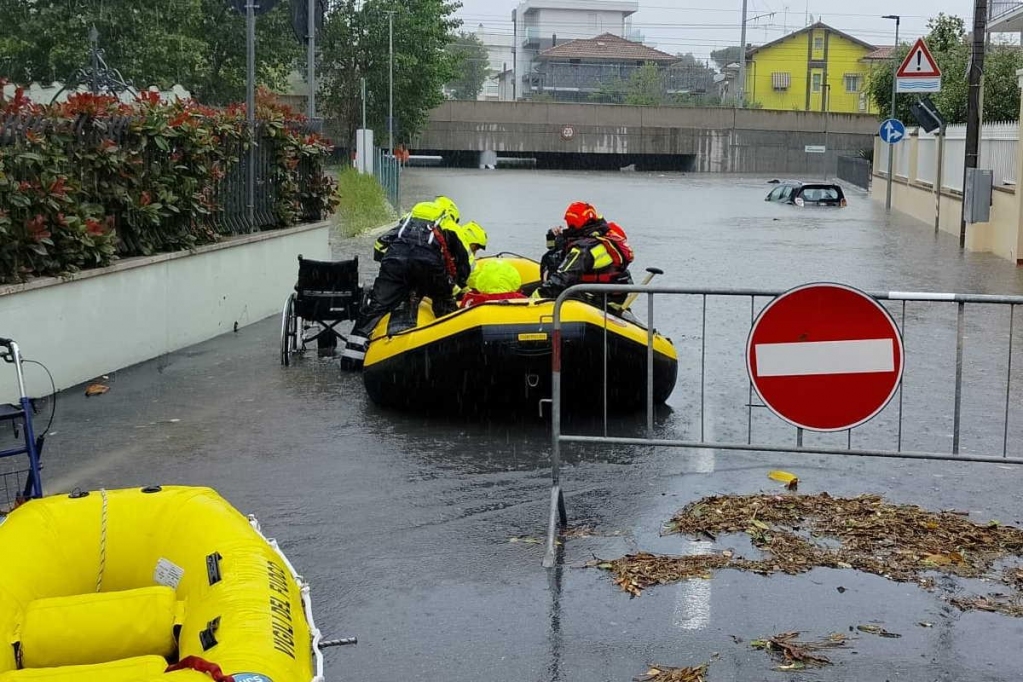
pixel 147 585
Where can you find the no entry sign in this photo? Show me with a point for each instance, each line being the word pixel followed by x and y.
pixel 825 357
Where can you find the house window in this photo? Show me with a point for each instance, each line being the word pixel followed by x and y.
pixel 852 82
pixel 818 43
pixel 780 81
pixel 816 82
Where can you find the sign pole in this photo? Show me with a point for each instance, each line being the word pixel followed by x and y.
pixel 937 180
pixel 891 147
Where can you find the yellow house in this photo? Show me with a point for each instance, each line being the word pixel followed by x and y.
pixel 814 67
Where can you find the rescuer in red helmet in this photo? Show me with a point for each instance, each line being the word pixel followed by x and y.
pixel 589 249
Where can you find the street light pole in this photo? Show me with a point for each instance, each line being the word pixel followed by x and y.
pixel 311 57
pixel 891 147
pixel 250 101
pixel 390 80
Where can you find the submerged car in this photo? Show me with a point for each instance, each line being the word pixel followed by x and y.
pixel 807 194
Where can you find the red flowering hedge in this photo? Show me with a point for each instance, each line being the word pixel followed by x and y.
pixel 92 179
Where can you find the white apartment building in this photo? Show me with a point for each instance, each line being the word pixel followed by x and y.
pixel 540 24
pixel 501 52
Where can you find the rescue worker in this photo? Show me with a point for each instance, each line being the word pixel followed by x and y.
pixel 424 256
pixel 589 249
pixel 492 279
pixel 473 236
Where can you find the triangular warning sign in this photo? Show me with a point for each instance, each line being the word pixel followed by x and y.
pixel 919 62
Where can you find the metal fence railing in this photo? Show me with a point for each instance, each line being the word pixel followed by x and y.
pixel 387 170
pixel 854 170
pixel 955 401
pixel 998 145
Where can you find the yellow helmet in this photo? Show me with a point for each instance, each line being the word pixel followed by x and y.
pixel 448 207
pixel 475 234
pixel 427 210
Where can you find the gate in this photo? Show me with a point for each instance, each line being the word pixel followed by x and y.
pixel 940 369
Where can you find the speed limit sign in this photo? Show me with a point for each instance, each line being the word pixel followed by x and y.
pixel 567 133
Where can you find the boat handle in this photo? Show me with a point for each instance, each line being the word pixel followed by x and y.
pixel 213 568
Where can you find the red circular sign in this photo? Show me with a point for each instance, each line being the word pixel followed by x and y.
pixel 567 133
pixel 825 357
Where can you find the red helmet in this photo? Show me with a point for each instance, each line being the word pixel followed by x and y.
pixel 579 214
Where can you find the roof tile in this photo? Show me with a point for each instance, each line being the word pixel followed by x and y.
pixel 606 46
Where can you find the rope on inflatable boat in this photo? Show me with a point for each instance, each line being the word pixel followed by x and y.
pixel 102 540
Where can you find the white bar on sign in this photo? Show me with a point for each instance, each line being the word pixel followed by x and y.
pixel 825 357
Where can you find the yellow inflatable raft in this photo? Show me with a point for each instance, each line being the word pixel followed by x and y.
pixel 498 354
pixel 146 585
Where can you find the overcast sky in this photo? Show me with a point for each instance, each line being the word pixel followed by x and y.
pixel 699 26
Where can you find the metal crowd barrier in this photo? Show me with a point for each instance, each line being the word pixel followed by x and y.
pixel 1002 342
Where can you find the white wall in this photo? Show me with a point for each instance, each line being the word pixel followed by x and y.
pixel 141 308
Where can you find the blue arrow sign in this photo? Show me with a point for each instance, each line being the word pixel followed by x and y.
pixel 892 130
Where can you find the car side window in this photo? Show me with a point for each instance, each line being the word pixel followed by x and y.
pixel 786 193
pixel 776 194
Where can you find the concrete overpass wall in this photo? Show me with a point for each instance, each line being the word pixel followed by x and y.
pixel 721 140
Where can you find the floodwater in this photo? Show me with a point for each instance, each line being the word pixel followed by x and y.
pixel 404 524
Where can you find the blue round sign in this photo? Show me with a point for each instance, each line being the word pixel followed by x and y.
pixel 892 130
pixel 250 677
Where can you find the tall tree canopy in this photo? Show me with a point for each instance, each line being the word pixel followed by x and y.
pixel 947 41
pixel 726 56
pixel 355 46
pixel 199 44
pixel 472 66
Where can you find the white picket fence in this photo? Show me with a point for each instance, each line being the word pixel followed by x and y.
pixel 997 152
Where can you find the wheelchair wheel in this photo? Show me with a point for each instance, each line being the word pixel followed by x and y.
pixel 289 331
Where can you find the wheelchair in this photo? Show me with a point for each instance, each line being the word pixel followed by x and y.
pixel 327 293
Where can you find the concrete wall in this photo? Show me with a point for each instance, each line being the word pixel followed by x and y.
pixel 102 320
pixel 722 139
pixel 1000 236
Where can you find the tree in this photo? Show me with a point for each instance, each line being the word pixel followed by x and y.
pixel 947 43
pixel 945 32
pixel 355 36
pixel 471 63
pixel 645 87
pixel 726 56
pixel 199 44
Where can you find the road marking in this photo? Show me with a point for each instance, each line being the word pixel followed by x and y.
pixel 825 357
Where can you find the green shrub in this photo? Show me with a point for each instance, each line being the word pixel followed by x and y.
pixel 362 203
pixel 93 178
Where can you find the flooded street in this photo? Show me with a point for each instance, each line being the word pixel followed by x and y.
pixel 420 535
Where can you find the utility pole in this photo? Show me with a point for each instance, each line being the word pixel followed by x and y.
pixel 390 80
pixel 311 58
pixel 891 147
pixel 741 90
pixel 973 99
pixel 250 102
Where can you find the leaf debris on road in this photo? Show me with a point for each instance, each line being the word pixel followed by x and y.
pixel 877 630
pixel 663 673
pixel 796 655
pixel 796 533
pixel 634 572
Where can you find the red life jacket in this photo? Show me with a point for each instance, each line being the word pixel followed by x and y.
pixel 616 242
pixel 617 235
pixel 472 298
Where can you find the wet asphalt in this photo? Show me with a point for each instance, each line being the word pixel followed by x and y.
pixel 404 524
